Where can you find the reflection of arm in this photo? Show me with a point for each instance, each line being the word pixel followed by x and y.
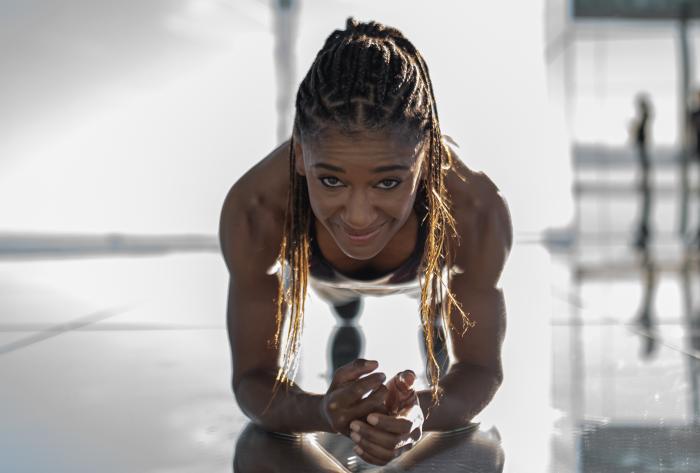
pixel 251 321
pixel 476 373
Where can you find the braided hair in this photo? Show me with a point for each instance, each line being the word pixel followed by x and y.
pixel 368 77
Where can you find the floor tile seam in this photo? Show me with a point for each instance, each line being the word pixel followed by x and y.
pixel 60 329
pixel 576 302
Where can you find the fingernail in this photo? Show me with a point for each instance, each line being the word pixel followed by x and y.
pixel 357 450
pixel 372 419
pixel 355 438
pixel 370 362
pixel 355 426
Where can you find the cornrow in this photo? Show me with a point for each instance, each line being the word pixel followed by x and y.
pixel 368 77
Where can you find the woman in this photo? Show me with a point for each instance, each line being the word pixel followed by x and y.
pixel 366 195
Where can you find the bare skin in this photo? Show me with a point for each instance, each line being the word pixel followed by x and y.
pixel 348 197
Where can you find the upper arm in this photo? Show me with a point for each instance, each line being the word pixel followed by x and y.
pixel 486 241
pixel 247 239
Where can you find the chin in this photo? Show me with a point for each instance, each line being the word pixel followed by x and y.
pixel 363 250
pixel 359 253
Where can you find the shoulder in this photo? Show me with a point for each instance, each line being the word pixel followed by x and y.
pixel 483 223
pixel 252 216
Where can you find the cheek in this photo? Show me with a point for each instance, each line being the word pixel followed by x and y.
pixel 398 210
pixel 405 210
pixel 402 203
pixel 321 204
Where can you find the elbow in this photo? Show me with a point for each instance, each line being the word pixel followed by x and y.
pixel 250 410
pixel 492 374
pixel 253 395
pixel 253 409
pixel 497 374
pixel 494 377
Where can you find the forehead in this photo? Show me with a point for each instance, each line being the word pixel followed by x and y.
pixel 367 148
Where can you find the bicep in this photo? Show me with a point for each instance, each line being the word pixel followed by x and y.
pixel 252 292
pixel 480 343
pixel 251 325
pixel 482 256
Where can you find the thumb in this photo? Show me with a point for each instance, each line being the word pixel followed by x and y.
pixel 400 389
pixel 406 380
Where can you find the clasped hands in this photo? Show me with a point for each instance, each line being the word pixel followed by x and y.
pixel 384 423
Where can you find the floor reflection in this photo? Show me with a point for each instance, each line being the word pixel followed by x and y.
pixel 640 449
pixel 645 319
pixel 625 394
pixel 691 304
pixel 630 410
pixel 467 450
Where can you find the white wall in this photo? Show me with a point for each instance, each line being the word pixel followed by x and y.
pixel 138 118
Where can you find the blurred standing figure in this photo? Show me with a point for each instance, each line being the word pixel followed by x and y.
pixel 646 320
pixel 640 133
pixel 695 123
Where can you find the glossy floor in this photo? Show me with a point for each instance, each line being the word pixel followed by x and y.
pixel 122 364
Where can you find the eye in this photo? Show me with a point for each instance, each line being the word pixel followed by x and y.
pixel 330 181
pixel 387 184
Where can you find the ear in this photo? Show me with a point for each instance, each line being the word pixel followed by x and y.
pixel 299 158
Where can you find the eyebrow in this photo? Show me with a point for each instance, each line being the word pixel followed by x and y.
pixel 378 169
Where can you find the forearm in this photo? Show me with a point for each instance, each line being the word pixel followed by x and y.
pixel 466 390
pixel 290 410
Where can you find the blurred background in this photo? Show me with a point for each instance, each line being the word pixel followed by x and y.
pixel 123 125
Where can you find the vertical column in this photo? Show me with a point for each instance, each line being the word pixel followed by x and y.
pixel 285 14
pixel 683 119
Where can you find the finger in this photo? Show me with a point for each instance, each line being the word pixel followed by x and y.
pixel 399 400
pixel 363 431
pixel 405 401
pixel 368 457
pixel 392 424
pixel 403 380
pixel 400 389
pixel 377 451
pixel 406 379
pixel 353 370
pixel 354 391
pixel 375 402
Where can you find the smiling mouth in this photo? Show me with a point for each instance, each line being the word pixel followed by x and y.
pixel 362 237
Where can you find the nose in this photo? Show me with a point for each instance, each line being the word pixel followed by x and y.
pixel 359 212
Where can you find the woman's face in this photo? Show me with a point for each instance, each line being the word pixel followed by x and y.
pixel 361 187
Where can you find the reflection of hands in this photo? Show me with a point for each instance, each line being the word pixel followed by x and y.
pixel 386 436
pixel 344 401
